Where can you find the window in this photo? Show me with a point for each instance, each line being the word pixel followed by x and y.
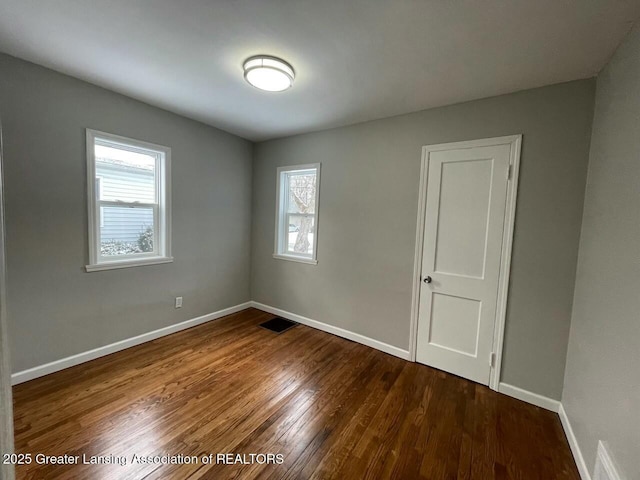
pixel 297 213
pixel 129 202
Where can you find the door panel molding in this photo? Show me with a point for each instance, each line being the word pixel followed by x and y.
pixel 515 142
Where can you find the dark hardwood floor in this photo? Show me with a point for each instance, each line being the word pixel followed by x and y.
pixel 332 408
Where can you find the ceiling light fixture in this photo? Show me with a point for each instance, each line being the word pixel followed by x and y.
pixel 268 73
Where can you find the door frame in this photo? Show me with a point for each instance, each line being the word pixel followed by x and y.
pixel 6 406
pixel 515 142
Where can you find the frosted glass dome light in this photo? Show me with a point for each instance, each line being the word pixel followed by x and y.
pixel 268 73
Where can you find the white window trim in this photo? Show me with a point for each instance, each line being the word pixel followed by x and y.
pixel 282 227
pixel 99 195
pixel 163 191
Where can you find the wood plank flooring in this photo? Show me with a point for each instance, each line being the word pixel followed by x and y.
pixel 332 408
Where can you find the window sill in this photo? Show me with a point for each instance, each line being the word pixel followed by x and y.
pixel 128 263
pixel 292 258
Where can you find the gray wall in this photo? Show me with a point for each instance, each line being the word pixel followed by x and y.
pixel 367 222
pixel 55 309
pixel 602 382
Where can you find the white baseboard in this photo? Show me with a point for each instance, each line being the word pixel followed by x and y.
pixel 554 406
pixel 529 397
pixel 573 444
pixel 340 332
pixel 510 390
pixel 79 358
pixel 605 468
pixel 57 365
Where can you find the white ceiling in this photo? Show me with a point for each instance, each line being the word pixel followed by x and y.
pixel 355 60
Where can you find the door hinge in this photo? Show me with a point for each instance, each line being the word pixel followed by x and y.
pixel 509 172
pixel 492 360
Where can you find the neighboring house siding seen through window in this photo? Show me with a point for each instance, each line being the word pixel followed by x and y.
pixel 129 202
pixel 121 223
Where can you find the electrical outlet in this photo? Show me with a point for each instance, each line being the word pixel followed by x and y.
pixel 178 302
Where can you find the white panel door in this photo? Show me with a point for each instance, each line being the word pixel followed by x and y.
pixel 464 223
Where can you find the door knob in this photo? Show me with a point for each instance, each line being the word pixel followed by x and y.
pixel 427 279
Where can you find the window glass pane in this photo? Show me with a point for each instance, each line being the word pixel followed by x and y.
pixel 302 192
pixel 126 230
pixel 125 176
pixel 300 234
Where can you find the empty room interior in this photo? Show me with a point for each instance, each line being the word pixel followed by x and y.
pixel 358 239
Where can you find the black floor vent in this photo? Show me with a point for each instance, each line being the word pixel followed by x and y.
pixel 278 324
